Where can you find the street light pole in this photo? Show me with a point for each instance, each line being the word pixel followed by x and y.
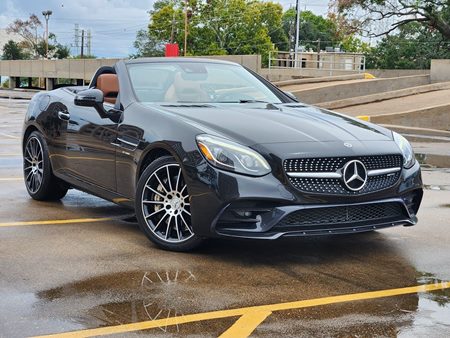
pixel 46 15
pixel 185 25
pixel 297 32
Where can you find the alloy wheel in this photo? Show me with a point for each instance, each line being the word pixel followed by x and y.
pixel 165 204
pixel 33 165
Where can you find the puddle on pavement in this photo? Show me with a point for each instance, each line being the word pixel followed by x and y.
pixel 136 296
pixel 165 294
pixel 424 314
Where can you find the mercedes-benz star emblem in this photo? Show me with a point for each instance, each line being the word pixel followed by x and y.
pixel 355 175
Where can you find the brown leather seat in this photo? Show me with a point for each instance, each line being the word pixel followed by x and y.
pixel 109 85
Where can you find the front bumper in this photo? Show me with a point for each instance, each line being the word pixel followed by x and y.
pixel 225 204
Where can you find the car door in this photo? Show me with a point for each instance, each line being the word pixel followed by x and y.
pixel 89 154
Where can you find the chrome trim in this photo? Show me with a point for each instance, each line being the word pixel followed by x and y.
pixel 315 174
pixel 127 142
pixel 377 172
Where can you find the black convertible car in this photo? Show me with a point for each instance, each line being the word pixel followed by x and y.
pixel 204 148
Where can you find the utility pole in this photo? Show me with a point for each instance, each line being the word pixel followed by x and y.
pixel 297 32
pixel 82 43
pixel 77 39
pixel 46 15
pixel 172 32
pixel 185 25
pixel 89 42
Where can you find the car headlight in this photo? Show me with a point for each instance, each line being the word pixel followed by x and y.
pixel 228 155
pixel 408 154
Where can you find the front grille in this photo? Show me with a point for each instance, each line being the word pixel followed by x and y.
pixel 335 186
pixel 364 214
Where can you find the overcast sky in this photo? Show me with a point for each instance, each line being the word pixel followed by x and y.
pixel 113 23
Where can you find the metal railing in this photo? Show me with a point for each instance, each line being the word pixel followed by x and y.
pixel 325 61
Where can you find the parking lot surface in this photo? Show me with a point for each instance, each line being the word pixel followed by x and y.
pixel 81 265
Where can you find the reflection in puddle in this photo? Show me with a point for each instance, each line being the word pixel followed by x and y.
pixel 168 281
pixel 234 274
pixel 133 297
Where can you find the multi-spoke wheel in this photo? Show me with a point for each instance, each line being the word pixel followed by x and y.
pixel 33 164
pixel 40 182
pixel 163 206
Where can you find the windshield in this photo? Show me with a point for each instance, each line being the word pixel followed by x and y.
pixel 197 82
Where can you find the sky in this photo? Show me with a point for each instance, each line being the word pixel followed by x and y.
pixel 113 23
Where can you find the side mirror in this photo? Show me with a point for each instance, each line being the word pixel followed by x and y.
pixel 292 96
pixel 91 98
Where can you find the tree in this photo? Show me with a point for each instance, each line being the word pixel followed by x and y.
pixel 61 52
pixel 412 48
pixel 312 29
pixel 13 51
pixel 147 45
pixel 215 27
pixel 27 30
pixel 433 14
pixel 34 42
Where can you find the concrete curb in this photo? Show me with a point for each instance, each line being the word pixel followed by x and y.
pixel 418 131
pixel 319 79
pixel 434 117
pixel 384 96
pixel 336 91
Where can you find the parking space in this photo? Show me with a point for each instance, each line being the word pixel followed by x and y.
pixel 81 265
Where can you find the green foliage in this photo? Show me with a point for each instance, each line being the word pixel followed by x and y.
pixel 13 51
pixel 412 48
pixel 215 27
pixel 84 57
pixel 352 44
pixel 147 45
pixel 61 52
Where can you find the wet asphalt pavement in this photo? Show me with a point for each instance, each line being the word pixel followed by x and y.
pixel 73 276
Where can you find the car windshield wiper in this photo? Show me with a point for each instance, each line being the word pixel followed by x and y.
pixel 253 101
pixel 244 101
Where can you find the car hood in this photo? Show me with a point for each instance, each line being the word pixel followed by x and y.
pixel 258 123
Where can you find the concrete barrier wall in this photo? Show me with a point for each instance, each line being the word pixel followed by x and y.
pixel 252 62
pixel 279 74
pixel 68 68
pixel 85 68
pixel 281 84
pixel 440 70
pixel 361 88
pixel 385 73
pixel 437 117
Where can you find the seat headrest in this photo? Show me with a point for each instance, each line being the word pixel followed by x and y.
pixel 109 85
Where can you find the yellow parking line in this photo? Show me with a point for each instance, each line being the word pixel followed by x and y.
pixel 11 155
pixel 10 136
pixel 150 324
pixel 11 179
pixel 57 221
pixel 246 324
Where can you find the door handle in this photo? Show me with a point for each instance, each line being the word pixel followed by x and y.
pixel 64 116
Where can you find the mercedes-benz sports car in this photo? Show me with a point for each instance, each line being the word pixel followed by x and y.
pixel 204 148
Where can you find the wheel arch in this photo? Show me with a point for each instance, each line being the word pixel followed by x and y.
pixel 30 128
pixel 151 154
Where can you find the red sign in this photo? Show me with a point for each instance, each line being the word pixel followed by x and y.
pixel 172 49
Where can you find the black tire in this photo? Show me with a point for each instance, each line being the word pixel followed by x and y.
pixel 163 206
pixel 40 182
